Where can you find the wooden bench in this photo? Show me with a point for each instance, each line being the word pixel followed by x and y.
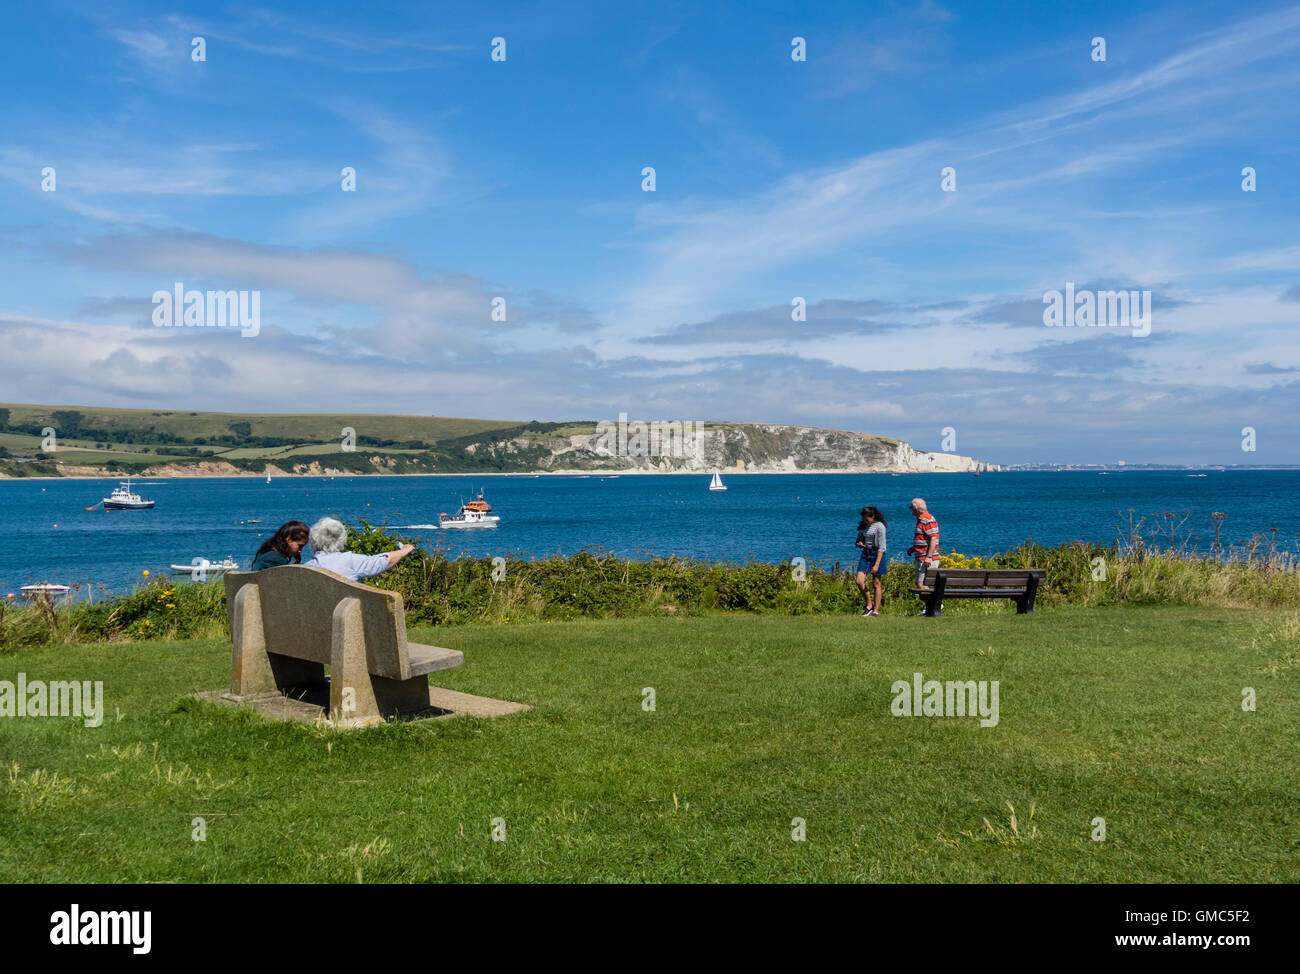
pixel 1021 584
pixel 288 623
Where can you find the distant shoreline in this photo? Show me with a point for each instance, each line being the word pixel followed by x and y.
pixel 636 473
pixel 495 473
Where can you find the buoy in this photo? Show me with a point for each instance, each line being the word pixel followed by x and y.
pixel 145 573
pixel 56 525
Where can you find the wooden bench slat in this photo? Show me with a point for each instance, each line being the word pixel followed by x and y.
pixel 975 593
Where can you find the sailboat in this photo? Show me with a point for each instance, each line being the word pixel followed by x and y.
pixel 268 475
pixel 716 483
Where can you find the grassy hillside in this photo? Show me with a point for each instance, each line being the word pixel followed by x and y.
pixel 305 427
pixel 1128 713
pixel 136 440
pixel 95 441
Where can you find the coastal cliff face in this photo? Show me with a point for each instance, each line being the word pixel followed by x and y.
pixel 737 448
pixel 627 447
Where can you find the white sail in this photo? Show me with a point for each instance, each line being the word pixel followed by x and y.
pixel 716 483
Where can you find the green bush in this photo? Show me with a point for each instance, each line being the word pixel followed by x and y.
pixel 437 590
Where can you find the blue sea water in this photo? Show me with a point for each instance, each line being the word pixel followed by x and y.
pixel 767 517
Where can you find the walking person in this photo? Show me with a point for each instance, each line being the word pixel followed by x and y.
pixel 871 563
pixel 925 541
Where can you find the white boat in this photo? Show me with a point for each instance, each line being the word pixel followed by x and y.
pixel 716 483
pixel 125 499
pixel 44 588
pixel 268 476
pixel 476 514
pixel 207 567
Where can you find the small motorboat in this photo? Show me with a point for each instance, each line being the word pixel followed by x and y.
pixel 207 567
pixel 476 514
pixel 124 498
pixel 716 483
pixel 44 590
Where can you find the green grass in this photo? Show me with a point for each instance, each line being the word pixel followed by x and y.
pixel 1131 713
pixel 322 427
pixel 82 451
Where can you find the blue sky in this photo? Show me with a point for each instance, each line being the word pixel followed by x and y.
pixel 775 179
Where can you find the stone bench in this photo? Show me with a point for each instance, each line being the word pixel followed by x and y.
pixel 288 623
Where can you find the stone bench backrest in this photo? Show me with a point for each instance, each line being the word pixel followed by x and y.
pixel 297 606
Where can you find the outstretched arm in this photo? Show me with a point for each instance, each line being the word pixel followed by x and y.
pixel 395 556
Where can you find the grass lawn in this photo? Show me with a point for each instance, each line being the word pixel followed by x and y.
pixel 1133 714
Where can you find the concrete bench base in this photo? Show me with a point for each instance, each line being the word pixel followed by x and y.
pixel 310 705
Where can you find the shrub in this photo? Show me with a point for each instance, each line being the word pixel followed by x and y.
pixel 437 590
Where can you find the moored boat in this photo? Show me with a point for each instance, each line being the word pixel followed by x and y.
pixel 44 588
pixel 202 565
pixel 123 498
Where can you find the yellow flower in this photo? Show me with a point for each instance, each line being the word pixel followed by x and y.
pixel 170 606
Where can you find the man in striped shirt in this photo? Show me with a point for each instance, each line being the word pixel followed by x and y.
pixel 925 542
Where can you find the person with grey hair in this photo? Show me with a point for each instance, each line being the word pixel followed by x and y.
pixel 925 541
pixel 328 539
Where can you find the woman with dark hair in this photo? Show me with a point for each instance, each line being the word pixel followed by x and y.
pixel 871 539
pixel 284 547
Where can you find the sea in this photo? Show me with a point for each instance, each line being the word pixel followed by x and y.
pixel 52 537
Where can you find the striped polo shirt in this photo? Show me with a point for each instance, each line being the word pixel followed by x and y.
pixel 926 528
